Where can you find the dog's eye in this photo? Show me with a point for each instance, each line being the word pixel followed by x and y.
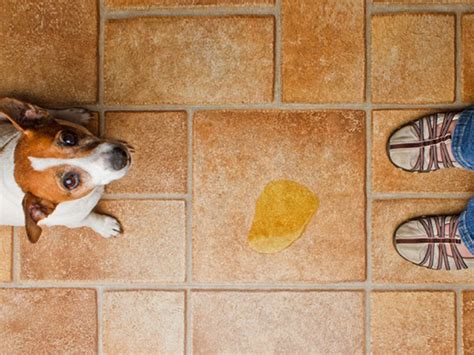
pixel 71 181
pixel 68 138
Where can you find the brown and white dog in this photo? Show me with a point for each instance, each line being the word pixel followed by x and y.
pixel 53 170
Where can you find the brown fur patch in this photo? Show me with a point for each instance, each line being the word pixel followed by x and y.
pixel 43 143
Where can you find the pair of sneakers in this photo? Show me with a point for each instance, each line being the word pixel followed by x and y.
pixel 422 146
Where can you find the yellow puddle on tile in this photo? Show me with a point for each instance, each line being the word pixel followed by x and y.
pixel 283 211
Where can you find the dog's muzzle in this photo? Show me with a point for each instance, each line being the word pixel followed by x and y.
pixel 120 157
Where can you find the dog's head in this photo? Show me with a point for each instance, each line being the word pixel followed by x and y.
pixel 57 161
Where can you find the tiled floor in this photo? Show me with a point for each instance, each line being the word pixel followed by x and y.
pixel 219 97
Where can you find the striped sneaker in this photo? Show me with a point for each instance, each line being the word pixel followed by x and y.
pixel 424 145
pixel 433 242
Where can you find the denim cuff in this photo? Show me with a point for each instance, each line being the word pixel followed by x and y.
pixel 467 237
pixel 461 138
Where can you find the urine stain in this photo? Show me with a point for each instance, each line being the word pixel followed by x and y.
pixel 283 211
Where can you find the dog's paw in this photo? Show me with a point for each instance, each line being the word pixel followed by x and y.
pixel 108 227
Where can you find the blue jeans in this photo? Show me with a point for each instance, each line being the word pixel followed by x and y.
pixel 463 150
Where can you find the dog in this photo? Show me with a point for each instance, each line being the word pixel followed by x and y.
pixel 53 170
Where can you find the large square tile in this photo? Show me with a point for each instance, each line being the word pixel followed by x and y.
pixel 160 160
pixel 146 4
pixel 237 153
pixel 49 50
pixel 413 58
pixel 278 322
pixel 467 36
pixel 151 249
pixel 413 323
pixel 386 178
pixel 143 322
pixel 6 247
pixel 48 321
pixel 323 51
pixel 189 60
pixel 387 265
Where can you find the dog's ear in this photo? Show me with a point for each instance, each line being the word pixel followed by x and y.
pixel 22 115
pixel 35 210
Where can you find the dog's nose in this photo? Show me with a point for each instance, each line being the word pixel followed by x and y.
pixel 120 158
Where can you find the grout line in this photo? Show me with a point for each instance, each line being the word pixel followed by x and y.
pixel 191 12
pixel 417 196
pixel 420 8
pixel 368 178
pixel 350 286
pixel 458 320
pixel 133 196
pixel 278 53
pixel 100 325
pixel 274 106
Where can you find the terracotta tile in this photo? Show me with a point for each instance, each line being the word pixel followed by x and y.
pixel 387 264
pixel 468 58
pixel 146 4
pixel 236 153
pixel 160 158
pixel 49 50
pixel 151 249
pixel 6 241
pixel 413 323
pixel 468 322
pixel 190 60
pixel 387 178
pixel 323 51
pixel 143 322
pixel 413 58
pixel 278 322
pixel 48 321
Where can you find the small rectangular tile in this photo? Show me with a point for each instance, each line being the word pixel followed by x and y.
pixel 143 322
pixel 48 321
pixel 387 265
pixel 413 322
pixel 387 178
pixel 6 256
pixel 467 36
pixel 49 50
pixel 413 58
pixel 147 4
pixel 468 322
pixel 189 60
pixel 160 158
pixel 323 51
pixel 152 247
pixel 278 322
pixel 237 153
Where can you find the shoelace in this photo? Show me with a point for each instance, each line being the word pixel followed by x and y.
pixel 433 142
pixel 441 241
